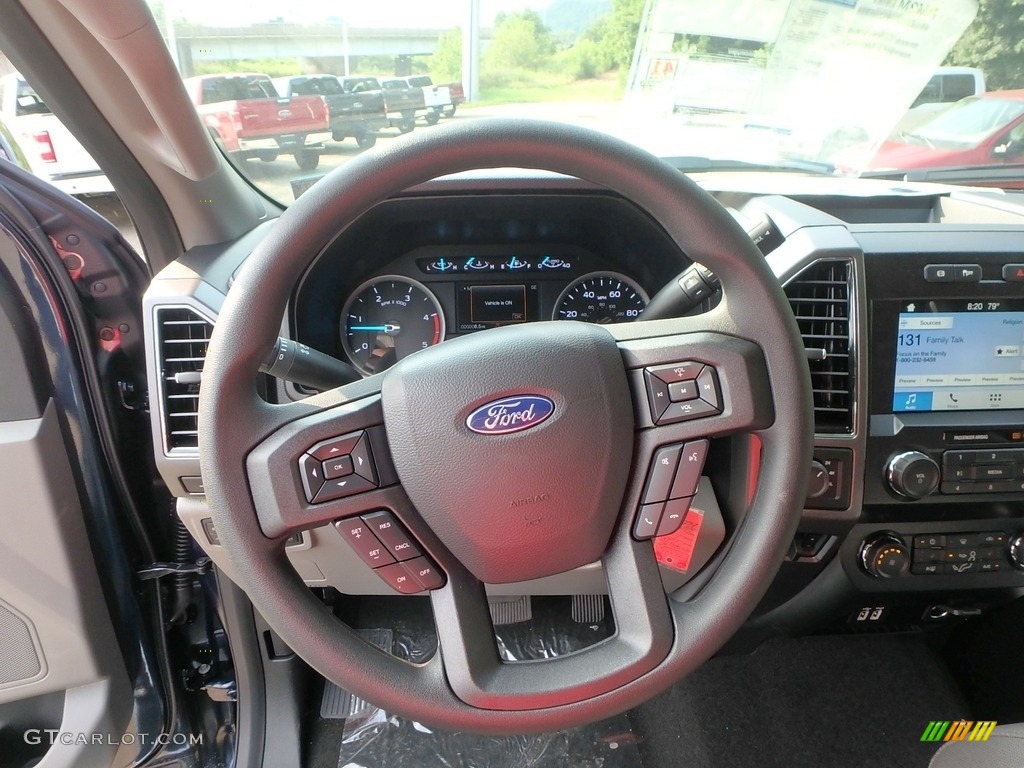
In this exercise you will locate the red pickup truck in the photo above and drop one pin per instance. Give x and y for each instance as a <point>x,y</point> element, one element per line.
<point>248,115</point>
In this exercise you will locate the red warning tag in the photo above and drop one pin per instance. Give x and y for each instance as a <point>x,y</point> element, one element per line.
<point>676,549</point>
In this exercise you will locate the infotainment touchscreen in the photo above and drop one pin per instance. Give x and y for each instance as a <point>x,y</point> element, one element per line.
<point>959,356</point>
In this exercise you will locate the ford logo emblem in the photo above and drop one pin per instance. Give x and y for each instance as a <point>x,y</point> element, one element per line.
<point>510,414</point>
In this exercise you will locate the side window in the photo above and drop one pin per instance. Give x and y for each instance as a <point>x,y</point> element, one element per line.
<point>931,93</point>
<point>956,87</point>
<point>35,139</point>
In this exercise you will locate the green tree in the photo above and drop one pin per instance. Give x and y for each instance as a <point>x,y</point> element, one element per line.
<point>446,63</point>
<point>615,33</point>
<point>995,43</point>
<point>521,41</point>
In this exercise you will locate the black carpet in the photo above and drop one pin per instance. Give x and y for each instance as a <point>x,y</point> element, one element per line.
<point>819,701</point>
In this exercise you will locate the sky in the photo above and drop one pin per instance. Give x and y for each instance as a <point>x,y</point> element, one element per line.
<point>390,13</point>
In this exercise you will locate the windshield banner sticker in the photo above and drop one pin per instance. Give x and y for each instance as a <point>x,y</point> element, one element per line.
<point>797,79</point>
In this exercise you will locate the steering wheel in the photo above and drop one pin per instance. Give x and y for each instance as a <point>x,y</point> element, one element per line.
<point>558,489</point>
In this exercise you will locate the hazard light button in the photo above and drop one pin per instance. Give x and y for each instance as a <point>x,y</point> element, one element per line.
<point>1013,273</point>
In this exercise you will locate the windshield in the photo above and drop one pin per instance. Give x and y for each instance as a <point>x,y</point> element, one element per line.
<point>840,86</point>
<point>970,121</point>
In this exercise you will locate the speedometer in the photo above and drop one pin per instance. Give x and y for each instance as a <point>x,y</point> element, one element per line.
<point>388,318</point>
<point>601,297</point>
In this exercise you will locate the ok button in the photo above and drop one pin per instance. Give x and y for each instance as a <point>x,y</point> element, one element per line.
<point>338,467</point>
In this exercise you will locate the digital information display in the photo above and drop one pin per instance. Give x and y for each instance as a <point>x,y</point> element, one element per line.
<point>489,306</point>
<point>959,356</point>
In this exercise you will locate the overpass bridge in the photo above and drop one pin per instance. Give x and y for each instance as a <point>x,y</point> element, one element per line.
<point>326,45</point>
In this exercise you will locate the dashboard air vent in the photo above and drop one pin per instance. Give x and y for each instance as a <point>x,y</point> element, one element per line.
<point>183,336</point>
<point>820,297</point>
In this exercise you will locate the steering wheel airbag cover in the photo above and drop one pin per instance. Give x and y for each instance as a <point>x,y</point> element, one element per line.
<point>519,505</point>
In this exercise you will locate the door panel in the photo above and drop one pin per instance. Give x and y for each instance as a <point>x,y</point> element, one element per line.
<point>55,632</point>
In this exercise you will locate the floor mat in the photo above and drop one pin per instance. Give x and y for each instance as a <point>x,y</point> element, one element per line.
<point>368,737</point>
<point>818,701</point>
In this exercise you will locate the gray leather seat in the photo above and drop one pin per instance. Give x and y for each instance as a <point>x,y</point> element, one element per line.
<point>1004,749</point>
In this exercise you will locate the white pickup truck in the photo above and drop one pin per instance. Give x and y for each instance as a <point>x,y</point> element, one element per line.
<point>49,148</point>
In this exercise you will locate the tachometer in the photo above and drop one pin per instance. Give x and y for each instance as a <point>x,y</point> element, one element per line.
<point>601,297</point>
<point>388,318</point>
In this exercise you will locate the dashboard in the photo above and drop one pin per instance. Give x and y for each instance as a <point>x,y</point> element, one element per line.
<point>909,298</point>
<point>409,275</point>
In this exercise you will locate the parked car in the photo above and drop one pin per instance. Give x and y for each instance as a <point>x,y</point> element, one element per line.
<point>407,101</point>
<point>976,131</point>
<point>247,114</point>
<point>357,114</point>
<point>946,87</point>
<point>47,146</point>
<point>440,99</point>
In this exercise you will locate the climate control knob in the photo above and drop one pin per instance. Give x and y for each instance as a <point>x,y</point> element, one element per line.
<point>912,474</point>
<point>820,483</point>
<point>884,556</point>
<point>1017,551</point>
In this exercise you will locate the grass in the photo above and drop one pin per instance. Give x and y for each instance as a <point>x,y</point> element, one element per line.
<point>543,87</point>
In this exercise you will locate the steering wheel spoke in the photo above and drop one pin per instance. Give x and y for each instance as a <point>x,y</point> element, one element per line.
<point>641,641</point>
<point>330,460</point>
<point>700,384</point>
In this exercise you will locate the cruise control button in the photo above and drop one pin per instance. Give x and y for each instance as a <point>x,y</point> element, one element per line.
<point>362,459</point>
<point>362,540</point>
<point>661,474</point>
<point>425,573</point>
<point>339,467</point>
<point>691,464</point>
<point>312,476</point>
<point>647,520</point>
<point>394,537</point>
<point>399,578</point>
<point>673,516</point>
<point>346,486</point>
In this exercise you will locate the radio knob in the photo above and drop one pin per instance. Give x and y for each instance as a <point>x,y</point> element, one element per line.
<point>884,556</point>
<point>912,474</point>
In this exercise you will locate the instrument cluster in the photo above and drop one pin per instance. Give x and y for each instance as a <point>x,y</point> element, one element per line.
<point>431,294</point>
